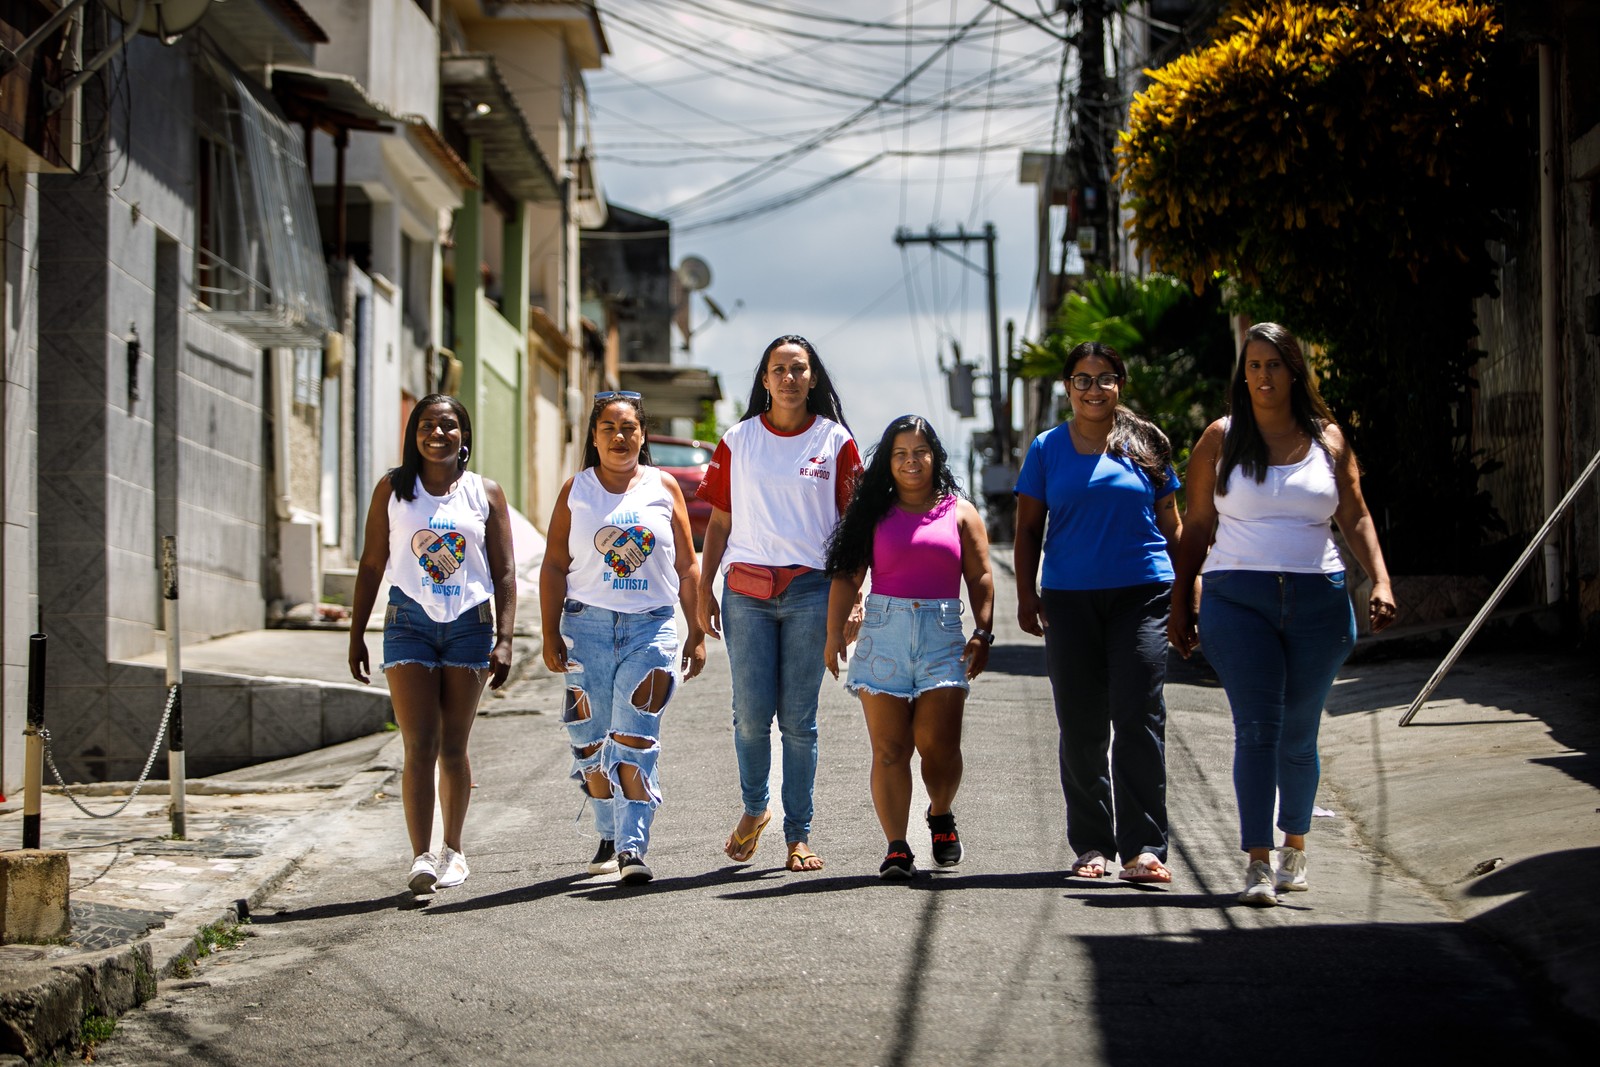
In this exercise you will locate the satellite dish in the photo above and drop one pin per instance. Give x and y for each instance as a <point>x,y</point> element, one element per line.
<point>164,19</point>
<point>693,273</point>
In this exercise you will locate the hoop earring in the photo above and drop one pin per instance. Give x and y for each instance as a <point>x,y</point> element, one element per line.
<point>465,452</point>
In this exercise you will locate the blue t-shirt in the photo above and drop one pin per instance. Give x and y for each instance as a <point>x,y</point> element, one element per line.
<point>1101,530</point>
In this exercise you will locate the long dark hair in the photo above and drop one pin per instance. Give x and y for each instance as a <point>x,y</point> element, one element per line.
<point>1243,446</point>
<point>850,547</point>
<point>403,479</point>
<point>1132,437</point>
<point>823,399</point>
<point>591,454</point>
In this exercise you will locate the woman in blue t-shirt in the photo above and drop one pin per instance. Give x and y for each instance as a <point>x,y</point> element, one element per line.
<point>1106,483</point>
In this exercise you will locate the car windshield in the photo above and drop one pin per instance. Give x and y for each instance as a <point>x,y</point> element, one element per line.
<point>669,454</point>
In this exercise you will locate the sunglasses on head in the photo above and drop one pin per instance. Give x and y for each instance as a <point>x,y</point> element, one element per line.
<point>618,394</point>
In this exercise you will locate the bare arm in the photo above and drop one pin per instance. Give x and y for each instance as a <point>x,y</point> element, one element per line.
<point>503,571</point>
<point>1026,546</point>
<point>1360,533</point>
<point>553,582</point>
<point>716,543</point>
<point>843,601</point>
<point>1197,528</point>
<point>688,568</point>
<point>980,584</point>
<point>369,576</point>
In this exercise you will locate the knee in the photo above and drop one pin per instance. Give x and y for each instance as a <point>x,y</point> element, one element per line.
<point>891,753</point>
<point>1255,736</point>
<point>632,766</point>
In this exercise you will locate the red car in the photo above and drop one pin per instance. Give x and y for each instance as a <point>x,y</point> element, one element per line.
<point>686,461</point>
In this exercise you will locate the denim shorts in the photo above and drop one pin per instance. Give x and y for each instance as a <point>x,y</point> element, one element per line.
<point>907,647</point>
<point>410,636</point>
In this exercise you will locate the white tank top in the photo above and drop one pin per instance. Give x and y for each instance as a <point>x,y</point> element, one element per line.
<point>1284,523</point>
<point>437,553</point>
<point>623,555</point>
<point>785,493</point>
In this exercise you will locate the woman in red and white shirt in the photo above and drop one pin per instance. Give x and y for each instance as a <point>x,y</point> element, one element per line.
<point>779,481</point>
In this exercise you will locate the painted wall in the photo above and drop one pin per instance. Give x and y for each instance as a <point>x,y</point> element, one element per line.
<point>19,600</point>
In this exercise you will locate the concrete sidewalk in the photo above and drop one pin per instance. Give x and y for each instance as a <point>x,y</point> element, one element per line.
<point>1490,800</point>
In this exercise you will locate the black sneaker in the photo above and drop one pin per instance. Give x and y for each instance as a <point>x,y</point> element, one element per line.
<point>947,851</point>
<point>899,863</point>
<point>631,866</point>
<point>605,857</point>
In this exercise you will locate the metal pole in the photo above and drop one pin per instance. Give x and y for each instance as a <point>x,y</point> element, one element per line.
<point>1500,590</point>
<point>175,765</point>
<point>33,756</point>
<point>997,381</point>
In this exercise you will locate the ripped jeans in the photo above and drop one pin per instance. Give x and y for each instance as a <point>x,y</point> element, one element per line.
<point>610,656</point>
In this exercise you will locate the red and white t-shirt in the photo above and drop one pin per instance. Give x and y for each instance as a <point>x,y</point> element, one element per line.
<point>785,491</point>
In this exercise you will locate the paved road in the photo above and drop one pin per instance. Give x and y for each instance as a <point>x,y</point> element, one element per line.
<point>1001,961</point>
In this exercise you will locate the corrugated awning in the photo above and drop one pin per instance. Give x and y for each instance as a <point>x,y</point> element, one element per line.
<point>332,99</point>
<point>476,97</point>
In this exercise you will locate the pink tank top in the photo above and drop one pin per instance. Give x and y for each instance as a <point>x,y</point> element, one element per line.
<point>918,557</point>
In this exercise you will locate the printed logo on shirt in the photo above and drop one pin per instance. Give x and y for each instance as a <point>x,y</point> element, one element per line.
<point>624,551</point>
<point>440,555</point>
<point>816,467</point>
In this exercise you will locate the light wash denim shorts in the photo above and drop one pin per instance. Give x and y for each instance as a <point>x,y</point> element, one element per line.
<point>907,647</point>
<point>410,636</point>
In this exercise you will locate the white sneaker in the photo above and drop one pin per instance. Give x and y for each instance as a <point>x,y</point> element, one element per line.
<point>453,869</point>
<point>1258,889</point>
<point>1291,874</point>
<point>424,874</point>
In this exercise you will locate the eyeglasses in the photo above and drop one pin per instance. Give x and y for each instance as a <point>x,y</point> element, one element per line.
<point>1082,382</point>
<point>618,394</point>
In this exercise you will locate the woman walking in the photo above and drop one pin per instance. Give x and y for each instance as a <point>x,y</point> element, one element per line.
<point>777,484</point>
<point>1105,481</point>
<point>1266,483</point>
<point>442,535</point>
<point>912,665</point>
<point>619,557</point>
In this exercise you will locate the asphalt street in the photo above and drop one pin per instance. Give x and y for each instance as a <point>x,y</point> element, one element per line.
<point>1002,960</point>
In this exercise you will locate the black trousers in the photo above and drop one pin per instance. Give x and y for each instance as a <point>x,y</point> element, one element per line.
<point>1106,654</point>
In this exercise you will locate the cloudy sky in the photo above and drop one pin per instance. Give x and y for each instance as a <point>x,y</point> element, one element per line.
<point>787,142</point>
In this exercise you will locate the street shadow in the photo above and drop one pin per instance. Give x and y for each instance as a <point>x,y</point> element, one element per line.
<point>401,901</point>
<point>524,894</point>
<point>923,880</point>
<point>1149,897</point>
<point>1022,661</point>
<point>729,874</point>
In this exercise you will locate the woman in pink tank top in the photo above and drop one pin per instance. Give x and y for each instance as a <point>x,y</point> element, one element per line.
<point>912,665</point>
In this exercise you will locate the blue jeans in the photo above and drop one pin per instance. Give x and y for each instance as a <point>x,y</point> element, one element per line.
<point>775,654</point>
<point>410,636</point>
<point>609,653</point>
<point>1276,642</point>
<point>1106,654</point>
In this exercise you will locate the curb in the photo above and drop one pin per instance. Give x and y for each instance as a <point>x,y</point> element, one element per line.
<point>43,1014</point>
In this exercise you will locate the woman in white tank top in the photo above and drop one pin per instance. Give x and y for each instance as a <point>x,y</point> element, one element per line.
<point>619,557</point>
<point>442,535</point>
<point>1265,486</point>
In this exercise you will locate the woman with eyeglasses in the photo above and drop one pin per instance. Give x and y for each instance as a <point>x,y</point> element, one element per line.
<point>618,558</point>
<point>442,535</point>
<point>1105,483</point>
<point>1267,484</point>
<point>777,484</point>
<point>913,664</point>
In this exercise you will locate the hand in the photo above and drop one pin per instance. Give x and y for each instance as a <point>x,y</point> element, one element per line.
<point>1380,607</point>
<point>359,667</point>
<point>1182,632</point>
<point>555,655</point>
<point>710,614</point>
<point>1029,614</point>
<point>500,663</point>
<point>833,652</point>
<point>694,656</point>
<point>975,656</point>
<point>852,623</point>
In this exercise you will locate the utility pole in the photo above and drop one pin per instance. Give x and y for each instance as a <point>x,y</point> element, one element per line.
<point>1091,133</point>
<point>997,385</point>
<point>999,470</point>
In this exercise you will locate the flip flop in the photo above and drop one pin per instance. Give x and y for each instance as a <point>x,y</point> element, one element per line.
<point>1145,869</point>
<point>801,857</point>
<point>736,847</point>
<point>1091,864</point>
